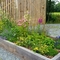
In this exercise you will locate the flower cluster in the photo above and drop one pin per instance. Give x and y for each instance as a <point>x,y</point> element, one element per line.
<point>40,21</point>
<point>25,20</point>
<point>58,37</point>
<point>21,22</point>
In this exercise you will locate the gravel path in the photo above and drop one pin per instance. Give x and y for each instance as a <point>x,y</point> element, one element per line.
<point>5,55</point>
<point>53,29</point>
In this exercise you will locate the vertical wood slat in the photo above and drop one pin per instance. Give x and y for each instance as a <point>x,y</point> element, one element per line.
<point>36,8</point>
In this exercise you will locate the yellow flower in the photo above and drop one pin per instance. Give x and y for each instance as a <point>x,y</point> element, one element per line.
<point>36,48</point>
<point>21,38</point>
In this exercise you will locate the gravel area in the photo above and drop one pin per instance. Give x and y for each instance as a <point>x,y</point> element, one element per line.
<point>53,30</point>
<point>5,55</point>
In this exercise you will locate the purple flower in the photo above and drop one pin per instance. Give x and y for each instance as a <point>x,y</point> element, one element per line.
<point>58,37</point>
<point>40,21</point>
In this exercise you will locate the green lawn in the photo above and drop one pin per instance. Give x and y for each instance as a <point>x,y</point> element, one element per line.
<point>54,17</point>
<point>56,13</point>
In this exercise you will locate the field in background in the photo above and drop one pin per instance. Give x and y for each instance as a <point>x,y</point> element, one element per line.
<point>56,13</point>
<point>54,18</point>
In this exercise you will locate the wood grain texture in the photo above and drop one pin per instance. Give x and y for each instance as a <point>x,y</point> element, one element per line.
<point>16,9</point>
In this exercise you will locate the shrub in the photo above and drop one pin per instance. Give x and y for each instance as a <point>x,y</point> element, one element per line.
<point>37,43</point>
<point>52,52</point>
<point>54,17</point>
<point>19,33</point>
<point>1,26</point>
<point>57,42</point>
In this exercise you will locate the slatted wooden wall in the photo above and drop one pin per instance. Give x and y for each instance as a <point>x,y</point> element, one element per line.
<point>16,9</point>
<point>8,7</point>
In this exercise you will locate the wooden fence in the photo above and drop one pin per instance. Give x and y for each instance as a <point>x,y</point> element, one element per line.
<point>16,9</point>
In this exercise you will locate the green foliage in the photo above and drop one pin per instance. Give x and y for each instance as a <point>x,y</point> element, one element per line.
<point>11,30</point>
<point>29,41</point>
<point>57,43</point>
<point>9,34</point>
<point>37,43</point>
<point>13,34</point>
<point>52,52</point>
<point>57,7</point>
<point>7,22</point>
<point>58,46</point>
<point>52,7</point>
<point>43,49</point>
<point>22,36</point>
<point>1,26</point>
<point>54,17</point>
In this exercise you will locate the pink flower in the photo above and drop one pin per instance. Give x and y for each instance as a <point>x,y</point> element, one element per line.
<point>40,21</point>
<point>21,22</point>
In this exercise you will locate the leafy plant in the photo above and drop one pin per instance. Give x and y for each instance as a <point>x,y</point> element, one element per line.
<point>37,43</point>
<point>52,52</point>
<point>54,17</point>
<point>1,26</point>
<point>19,33</point>
<point>57,42</point>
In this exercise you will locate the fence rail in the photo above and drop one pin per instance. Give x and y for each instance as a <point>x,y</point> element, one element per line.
<point>16,9</point>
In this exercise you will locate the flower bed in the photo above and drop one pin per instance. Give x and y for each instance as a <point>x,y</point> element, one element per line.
<point>32,38</point>
<point>21,52</point>
<point>24,53</point>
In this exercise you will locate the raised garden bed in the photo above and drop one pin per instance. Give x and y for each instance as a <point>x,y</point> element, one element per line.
<point>24,53</point>
<point>34,38</point>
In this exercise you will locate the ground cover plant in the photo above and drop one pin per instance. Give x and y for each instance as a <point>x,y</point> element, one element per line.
<point>19,33</point>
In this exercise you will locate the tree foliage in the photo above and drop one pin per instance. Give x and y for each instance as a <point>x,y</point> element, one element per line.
<point>57,7</point>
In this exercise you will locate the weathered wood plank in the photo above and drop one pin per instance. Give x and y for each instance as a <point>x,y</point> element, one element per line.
<point>16,9</point>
